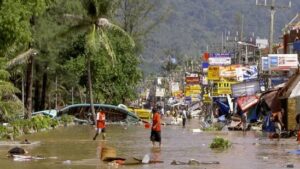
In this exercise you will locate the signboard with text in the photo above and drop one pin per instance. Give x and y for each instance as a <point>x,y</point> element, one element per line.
<point>283,61</point>
<point>247,73</point>
<point>213,73</point>
<point>264,63</point>
<point>246,102</point>
<point>245,88</point>
<point>219,59</point>
<point>160,92</point>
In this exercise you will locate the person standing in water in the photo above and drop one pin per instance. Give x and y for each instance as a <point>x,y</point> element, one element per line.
<point>184,117</point>
<point>156,128</point>
<point>100,126</point>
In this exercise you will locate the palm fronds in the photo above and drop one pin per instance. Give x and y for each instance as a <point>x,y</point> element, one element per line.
<point>22,58</point>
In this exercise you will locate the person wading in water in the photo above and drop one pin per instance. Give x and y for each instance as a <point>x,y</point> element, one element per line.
<point>100,126</point>
<point>156,128</point>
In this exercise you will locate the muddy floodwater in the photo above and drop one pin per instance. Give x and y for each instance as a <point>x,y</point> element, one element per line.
<point>73,148</point>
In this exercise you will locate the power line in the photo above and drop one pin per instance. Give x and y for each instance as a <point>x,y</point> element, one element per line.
<point>272,6</point>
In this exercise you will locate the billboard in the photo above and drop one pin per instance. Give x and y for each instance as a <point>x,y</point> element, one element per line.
<point>229,72</point>
<point>247,73</point>
<point>219,59</point>
<point>245,88</point>
<point>283,61</point>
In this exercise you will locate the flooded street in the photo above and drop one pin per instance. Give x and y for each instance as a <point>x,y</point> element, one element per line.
<point>73,148</point>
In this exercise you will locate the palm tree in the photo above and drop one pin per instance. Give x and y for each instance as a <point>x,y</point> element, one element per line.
<point>96,26</point>
<point>28,58</point>
<point>10,105</point>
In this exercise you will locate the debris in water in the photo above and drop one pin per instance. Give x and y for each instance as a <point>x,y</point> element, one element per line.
<point>68,162</point>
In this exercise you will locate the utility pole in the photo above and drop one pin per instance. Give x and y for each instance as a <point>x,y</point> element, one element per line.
<point>273,8</point>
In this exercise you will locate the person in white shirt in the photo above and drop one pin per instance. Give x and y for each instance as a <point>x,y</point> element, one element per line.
<point>184,117</point>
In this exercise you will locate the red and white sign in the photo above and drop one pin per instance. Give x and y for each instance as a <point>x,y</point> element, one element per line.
<point>245,102</point>
<point>285,61</point>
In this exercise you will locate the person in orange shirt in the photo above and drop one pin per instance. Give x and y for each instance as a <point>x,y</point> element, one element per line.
<point>100,126</point>
<point>156,128</point>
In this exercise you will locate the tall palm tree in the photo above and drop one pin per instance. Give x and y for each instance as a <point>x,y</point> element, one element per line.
<point>28,58</point>
<point>96,26</point>
<point>10,105</point>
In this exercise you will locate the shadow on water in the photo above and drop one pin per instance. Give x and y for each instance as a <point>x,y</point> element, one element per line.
<point>73,147</point>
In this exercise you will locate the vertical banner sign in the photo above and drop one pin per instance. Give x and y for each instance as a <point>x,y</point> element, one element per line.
<point>213,73</point>
<point>205,66</point>
<point>273,61</point>
<point>264,63</point>
<point>205,57</point>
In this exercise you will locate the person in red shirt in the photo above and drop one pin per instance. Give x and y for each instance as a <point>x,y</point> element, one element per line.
<point>156,128</point>
<point>100,126</point>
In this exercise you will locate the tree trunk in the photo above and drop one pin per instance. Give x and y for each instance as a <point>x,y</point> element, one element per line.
<point>37,97</point>
<point>29,80</point>
<point>44,88</point>
<point>91,88</point>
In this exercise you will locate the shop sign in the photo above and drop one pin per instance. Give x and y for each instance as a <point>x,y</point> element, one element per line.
<point>213,73</point>
<point>192,80</point>
<point>175,86</point>
<point>245,102</point>
<point>219,59</point>
<point>160,92</point>
<point>264,63</point>
<point>224,87</point>
<point>247,73</point>
<point>245,88</point>
<point>207,98</point>
<point>283,61</point>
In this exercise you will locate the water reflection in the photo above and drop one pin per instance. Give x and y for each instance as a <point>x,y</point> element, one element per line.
<point>74,148</point>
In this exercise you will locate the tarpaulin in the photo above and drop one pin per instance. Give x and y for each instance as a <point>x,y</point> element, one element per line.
<point>224,108</point>
<point>268,125</point>
<point>272,100</point>
<point>290,85</point>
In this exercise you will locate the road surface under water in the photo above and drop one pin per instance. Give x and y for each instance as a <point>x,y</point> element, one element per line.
<point>73,148</point>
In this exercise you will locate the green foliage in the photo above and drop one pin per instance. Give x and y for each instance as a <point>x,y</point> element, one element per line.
<point>65,119</point>
<point>211,128</point>
<point>220,143</point>
<point>27,126</point>
<point>40,122</point>
<point>113,83</point>
<point>3,131</point>
<point>14,25</point>
<point>10,105</point>
<point>214,127</point>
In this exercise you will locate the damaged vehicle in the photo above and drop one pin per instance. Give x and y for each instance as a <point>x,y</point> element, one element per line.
<point>114,114</point>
